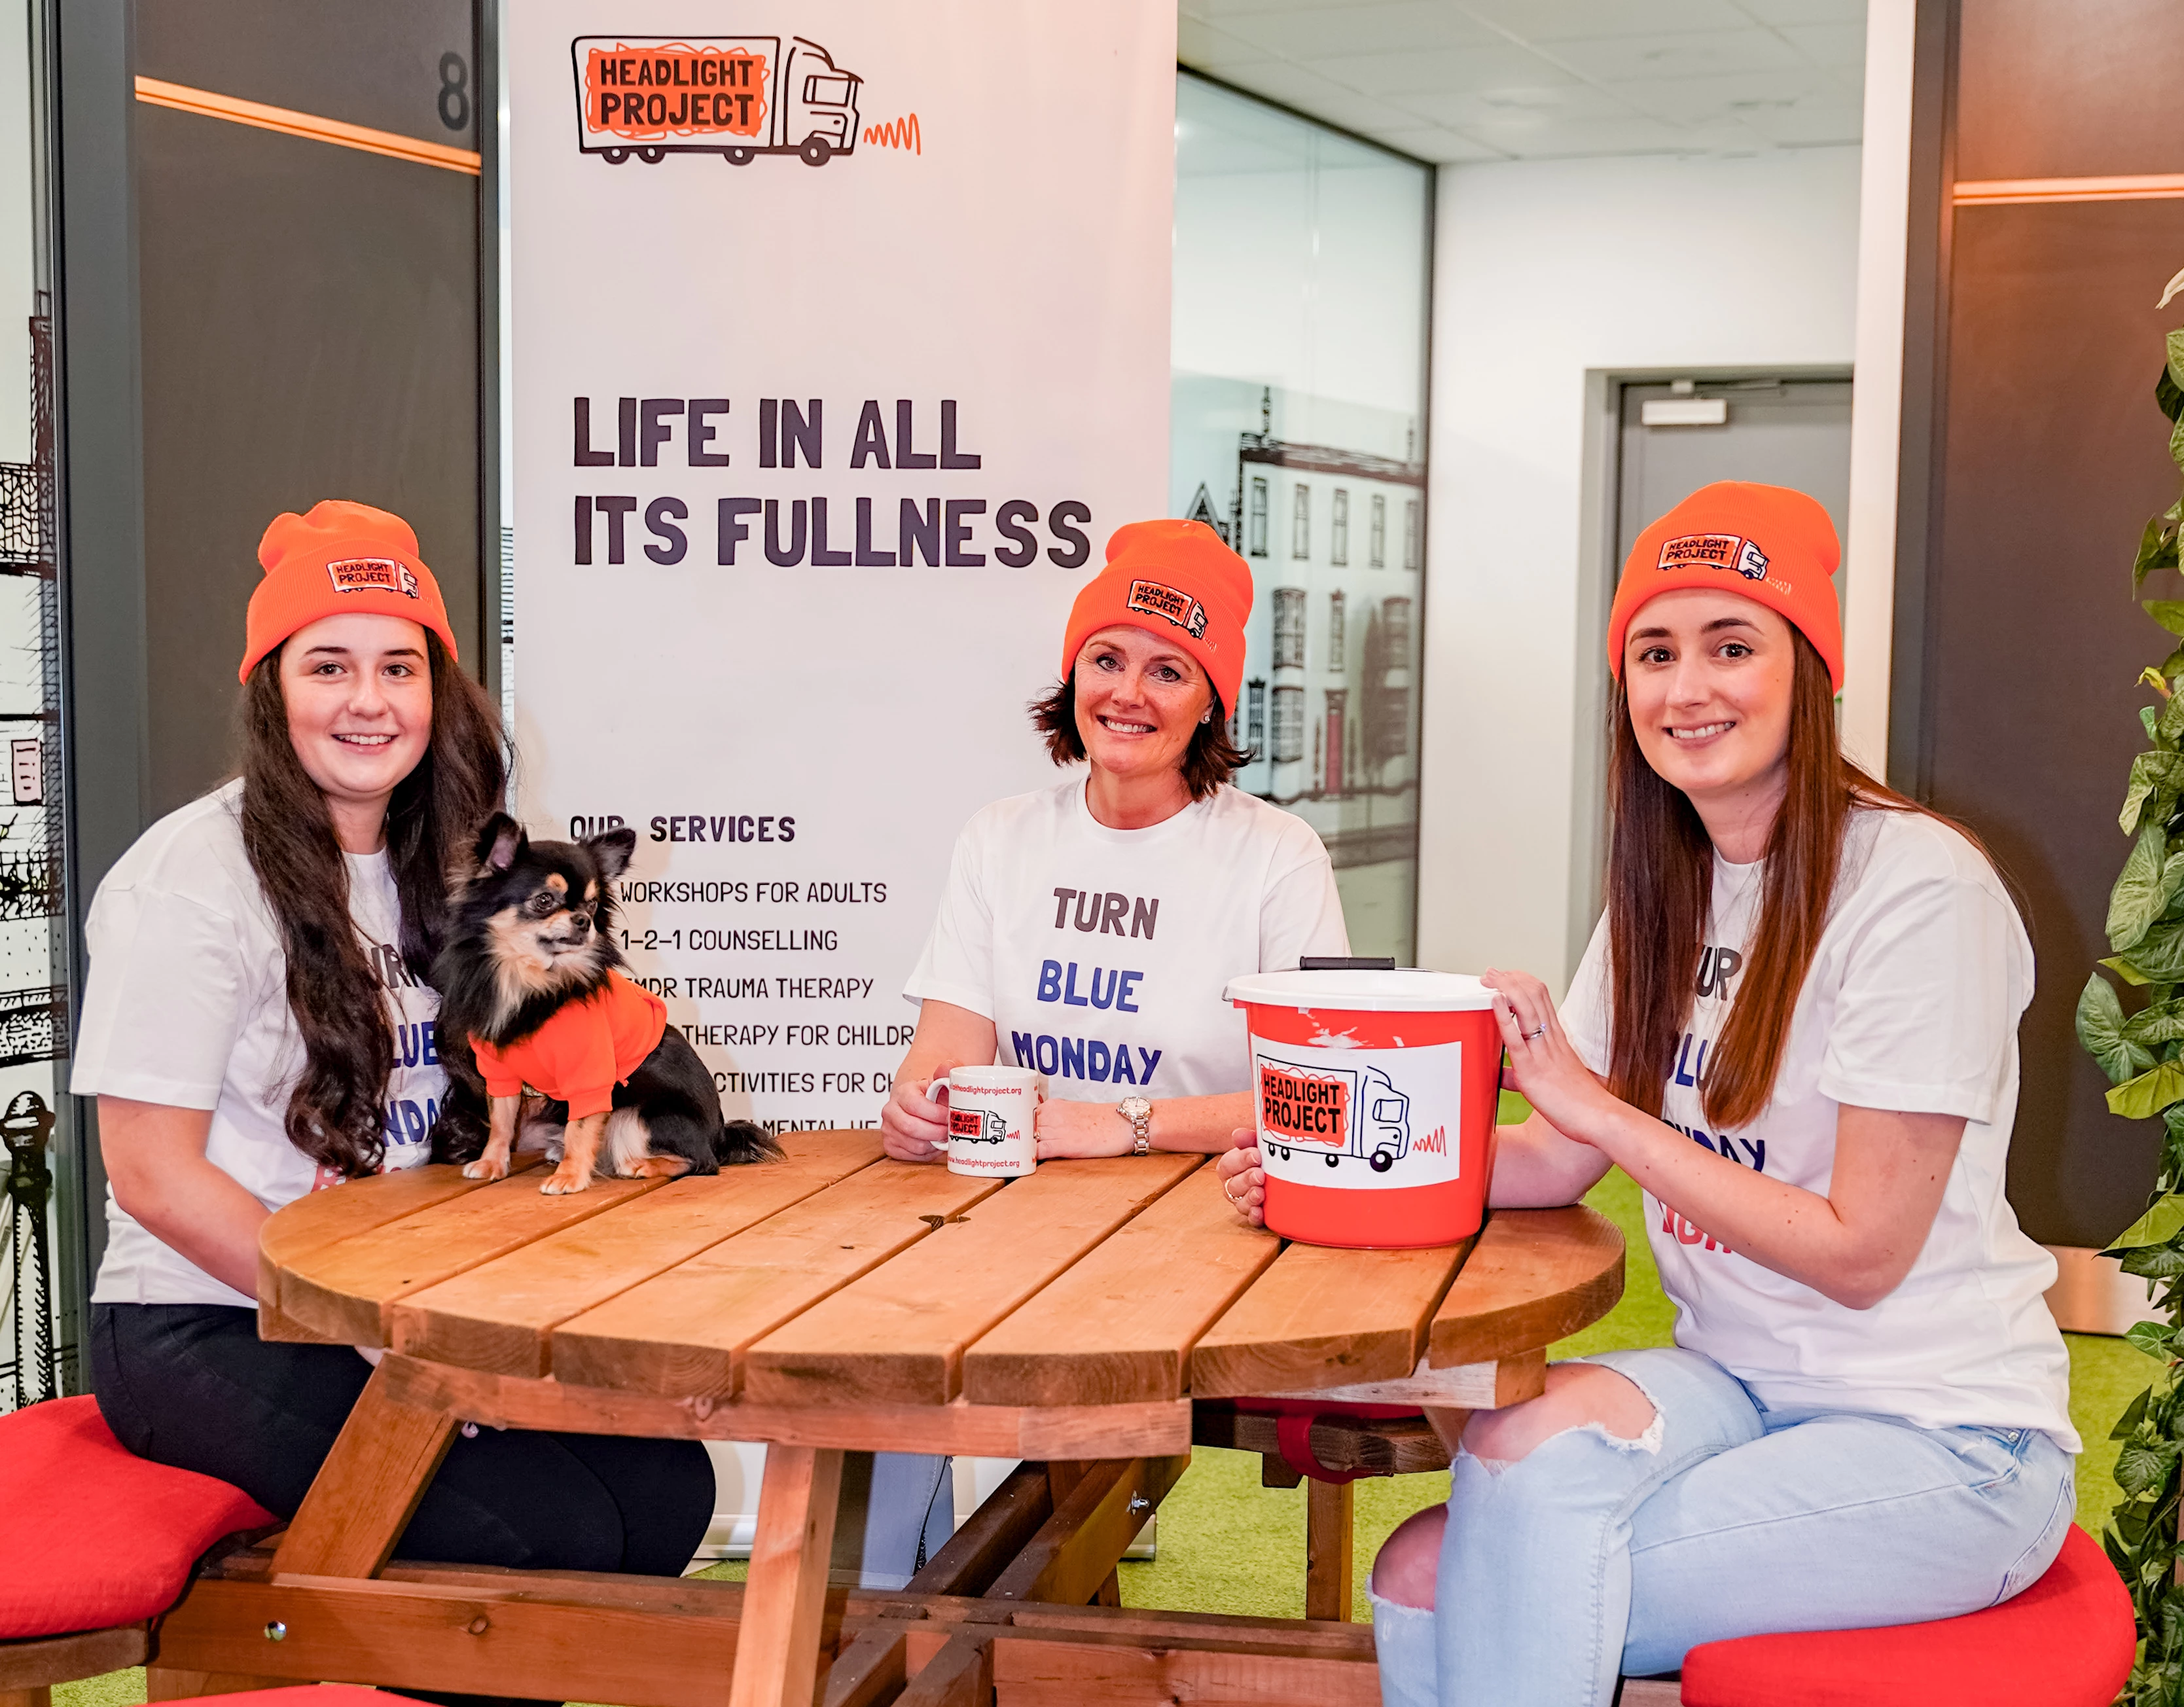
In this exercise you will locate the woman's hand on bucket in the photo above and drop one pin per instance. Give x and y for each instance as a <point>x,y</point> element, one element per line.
<point>914,1125</point>
<point>1543,1065</point>
<point>1241,1180</point>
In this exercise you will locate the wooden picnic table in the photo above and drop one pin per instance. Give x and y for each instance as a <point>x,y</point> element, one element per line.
<point>829,1301</point>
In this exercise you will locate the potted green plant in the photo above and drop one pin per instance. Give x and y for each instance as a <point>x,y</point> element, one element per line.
<point>2141,1048</point>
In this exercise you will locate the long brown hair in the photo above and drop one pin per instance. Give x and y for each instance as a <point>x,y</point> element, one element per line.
<point>1660,885</point>
<point>1211,759</point>
<point>335,1113</point>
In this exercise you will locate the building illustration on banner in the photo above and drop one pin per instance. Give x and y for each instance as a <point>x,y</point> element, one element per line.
<point>1335,539</point>
<point>735,95</point>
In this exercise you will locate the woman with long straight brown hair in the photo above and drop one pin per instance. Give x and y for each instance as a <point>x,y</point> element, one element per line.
<point>1796,1027</point>
<point>258,1025</point>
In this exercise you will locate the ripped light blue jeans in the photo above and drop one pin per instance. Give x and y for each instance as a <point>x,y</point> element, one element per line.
<point>1594,1556</point>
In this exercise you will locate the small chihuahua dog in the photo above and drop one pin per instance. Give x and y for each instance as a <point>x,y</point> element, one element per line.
<point>531,981</point>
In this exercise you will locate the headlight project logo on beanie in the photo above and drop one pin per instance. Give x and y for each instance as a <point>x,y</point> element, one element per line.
<point>364,574</point>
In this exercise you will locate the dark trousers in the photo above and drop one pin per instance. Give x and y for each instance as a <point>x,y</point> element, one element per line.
<point>193,1386</point>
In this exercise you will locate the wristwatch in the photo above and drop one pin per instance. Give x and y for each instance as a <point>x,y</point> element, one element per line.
<point>1139,1113</point>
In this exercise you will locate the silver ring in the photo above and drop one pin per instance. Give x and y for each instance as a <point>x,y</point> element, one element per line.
<point>1541,1032</point>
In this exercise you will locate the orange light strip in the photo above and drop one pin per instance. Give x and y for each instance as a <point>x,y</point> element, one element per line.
<point>1987,192</point>
<point>289,123</point>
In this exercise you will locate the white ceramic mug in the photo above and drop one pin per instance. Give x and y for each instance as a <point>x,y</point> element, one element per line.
<point>991,1115</point>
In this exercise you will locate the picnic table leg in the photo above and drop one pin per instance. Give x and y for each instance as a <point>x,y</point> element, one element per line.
<point>787,1598</point>
<point>1060,1478</point>
<point>1330,1511</point>
<point>365,1492</point>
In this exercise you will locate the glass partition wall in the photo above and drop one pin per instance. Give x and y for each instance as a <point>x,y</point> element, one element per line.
<point>1298,423</point>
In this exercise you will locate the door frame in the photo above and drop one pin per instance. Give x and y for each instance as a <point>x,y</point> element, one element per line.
<point>1597,569</point>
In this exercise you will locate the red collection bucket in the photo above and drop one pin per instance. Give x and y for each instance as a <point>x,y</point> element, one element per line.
<point>1376,1094</point>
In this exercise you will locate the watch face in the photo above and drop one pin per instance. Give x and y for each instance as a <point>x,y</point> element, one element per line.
<point>1133,1108</point>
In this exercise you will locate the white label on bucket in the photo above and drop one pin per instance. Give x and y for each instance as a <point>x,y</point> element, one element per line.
<point>1360,1118</point>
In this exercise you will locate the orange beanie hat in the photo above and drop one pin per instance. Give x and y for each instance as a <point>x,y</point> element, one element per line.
<point>341,557</point>
<point>1175,579</point>
<point>1774,546</point>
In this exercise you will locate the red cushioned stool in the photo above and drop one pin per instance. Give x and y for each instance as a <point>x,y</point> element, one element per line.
<point>1332,1444</point>
<point>94,1542</point>
<point>309,1695</point>
<point>2068,1641</point>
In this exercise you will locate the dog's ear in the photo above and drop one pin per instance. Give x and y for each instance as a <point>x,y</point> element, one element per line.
<point>612,850</point>
<point>500,844</point>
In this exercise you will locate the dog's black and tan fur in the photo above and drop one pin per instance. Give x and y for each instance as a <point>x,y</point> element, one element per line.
<point>531,930</point>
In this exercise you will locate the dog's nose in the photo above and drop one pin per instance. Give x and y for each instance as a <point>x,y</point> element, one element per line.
<point>579,923</point>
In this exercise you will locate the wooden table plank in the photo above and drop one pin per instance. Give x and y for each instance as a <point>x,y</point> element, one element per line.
<point>1062,1431</point>
<point>1320,1317</point>
<point>1119,1325</point>
<point>500,1315</point>
<point>320,1219</point>
<point>348,1288</point>
<point>684,1333</point>
<point>898,1334</point>
<point>1537,1275</point>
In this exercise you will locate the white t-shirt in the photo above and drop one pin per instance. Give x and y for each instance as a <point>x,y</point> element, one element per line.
<point>1912,1004</point>
<point>186,1003</point>
<point>1101,955</point>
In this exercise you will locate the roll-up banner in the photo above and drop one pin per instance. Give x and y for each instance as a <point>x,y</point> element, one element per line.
<point>840,345</point>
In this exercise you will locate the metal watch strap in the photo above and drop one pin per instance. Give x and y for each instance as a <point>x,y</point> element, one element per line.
<point>1140,1125</point>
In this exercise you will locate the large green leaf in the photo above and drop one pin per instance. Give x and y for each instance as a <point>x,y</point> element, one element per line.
<point>2124,970</point>
<point>2137,1099</point>
<point>2105,1034</point>
<point>2157,1226</point>
<point>2139,1467</point>
<point>2158,957</point>
<point>2168,395</point>
<point>2163,1022</point>
<point>2155,775</point>
<point>2154,1262</point>
<point>2133,1415</point>
<point>2170,723</point>
<point>2173,350</point>
<point>2142,888</point>
<point>2157,549</point>
<point>2153,1338</point>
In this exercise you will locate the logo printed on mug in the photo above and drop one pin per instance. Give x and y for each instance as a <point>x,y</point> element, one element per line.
<point>992,1112</point>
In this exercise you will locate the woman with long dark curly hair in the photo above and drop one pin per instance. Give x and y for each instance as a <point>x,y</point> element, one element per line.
<point>258,1025</point>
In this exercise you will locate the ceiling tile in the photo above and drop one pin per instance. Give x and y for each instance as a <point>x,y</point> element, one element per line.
<point>1806,11</point>
<point>1559,136</point>
<point>1202,45</point>
<point>1807,125</point>
<point>1563,21</point>
<point>1829,44</point>
<point>1441,147</point>
<point>1442,70</point>
<point>1690,53</point>
<point>1690,99</point>
<point>1520,107</point>
<point>1322,31</point>
<point>1306,90</point>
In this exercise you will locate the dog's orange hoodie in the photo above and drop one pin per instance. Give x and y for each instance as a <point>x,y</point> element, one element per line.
<point>583,1053</point>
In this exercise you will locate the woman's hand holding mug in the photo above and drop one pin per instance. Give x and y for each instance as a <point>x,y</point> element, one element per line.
<point>914,1123</point>
<point>1242,1180</point>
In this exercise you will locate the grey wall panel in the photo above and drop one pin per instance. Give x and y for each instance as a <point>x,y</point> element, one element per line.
<point>310,330</point>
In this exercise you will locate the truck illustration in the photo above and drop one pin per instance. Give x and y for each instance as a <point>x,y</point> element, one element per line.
<point>978,1126</point>
<point>736,96</point>
<point>1336,1112</point>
